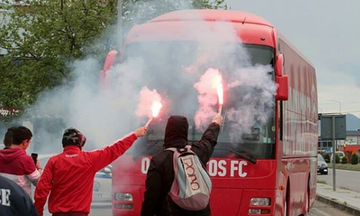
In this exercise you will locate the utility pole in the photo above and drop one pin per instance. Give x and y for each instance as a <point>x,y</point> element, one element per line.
<point>119,24</point>
<point>334,151</point>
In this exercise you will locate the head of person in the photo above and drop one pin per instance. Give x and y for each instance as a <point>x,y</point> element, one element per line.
<point>73,137</point>
<point>21,136</point>
<point>176,132</point>
<point>8,138</point>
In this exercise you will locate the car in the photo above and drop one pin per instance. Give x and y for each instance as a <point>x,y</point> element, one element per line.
<point>341,154</point>
<point>102,181</point>
<point>102,185</point>
<point>322,165</point>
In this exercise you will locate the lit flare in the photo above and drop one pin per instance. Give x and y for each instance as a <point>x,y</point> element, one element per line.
<point>220,91</point>
<point>155,108</point>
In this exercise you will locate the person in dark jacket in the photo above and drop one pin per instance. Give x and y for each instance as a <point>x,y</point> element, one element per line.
<point>14,200</point>
<point>160,175</point>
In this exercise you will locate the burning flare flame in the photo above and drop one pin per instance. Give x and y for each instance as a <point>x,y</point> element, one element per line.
<point>217,83</point>
<point>155,108</point>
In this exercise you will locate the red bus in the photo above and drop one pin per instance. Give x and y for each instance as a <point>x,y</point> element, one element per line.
<point>268,170</point>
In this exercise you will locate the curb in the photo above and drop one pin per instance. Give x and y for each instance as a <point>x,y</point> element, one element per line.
<point>341,206</point>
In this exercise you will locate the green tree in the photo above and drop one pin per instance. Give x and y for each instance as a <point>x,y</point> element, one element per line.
<point>43,36</point>
<point>344,160</point>
<point>354,159</point>
<point>337,158</point>
<point>326,157</point>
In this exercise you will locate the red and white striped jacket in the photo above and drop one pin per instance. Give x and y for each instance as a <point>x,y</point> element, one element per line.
<point>16,165</point>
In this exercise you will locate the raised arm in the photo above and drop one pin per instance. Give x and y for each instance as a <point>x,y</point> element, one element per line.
<point>110,153</point>
<point>205,147</point>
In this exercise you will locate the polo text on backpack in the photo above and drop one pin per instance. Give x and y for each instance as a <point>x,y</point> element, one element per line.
<point>191,187</point>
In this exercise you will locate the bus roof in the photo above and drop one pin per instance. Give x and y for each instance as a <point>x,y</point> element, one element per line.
<point>200,25</point>
<point>213,15</point>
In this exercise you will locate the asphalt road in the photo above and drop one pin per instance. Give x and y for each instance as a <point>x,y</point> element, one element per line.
<point>319,209</point>
<point>344,178</point>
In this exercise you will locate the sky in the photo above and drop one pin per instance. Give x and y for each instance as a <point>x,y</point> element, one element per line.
<point>326,32</point>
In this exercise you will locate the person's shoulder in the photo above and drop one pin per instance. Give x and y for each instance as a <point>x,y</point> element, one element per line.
<point>6,183</point>
<point>25,158</point>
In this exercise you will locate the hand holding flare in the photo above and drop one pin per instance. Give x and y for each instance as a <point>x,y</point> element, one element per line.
<point>155,108</point>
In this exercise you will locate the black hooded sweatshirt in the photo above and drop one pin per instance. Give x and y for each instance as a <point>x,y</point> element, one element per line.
<point>160,175</point>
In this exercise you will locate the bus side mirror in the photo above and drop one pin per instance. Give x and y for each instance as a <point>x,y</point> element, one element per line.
<point>279,64</point>
<point>282,81</point>
<point>282,91</point>
<point>109,62</point>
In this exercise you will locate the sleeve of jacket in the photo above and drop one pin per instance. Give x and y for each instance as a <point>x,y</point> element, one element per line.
<point>205,147</point>
<point>30,170</point>
<point>152,192</point>
<point>43,187</point>
<point>110,153</point>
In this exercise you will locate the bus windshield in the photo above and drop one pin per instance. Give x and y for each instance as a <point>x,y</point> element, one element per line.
<point>173,67</point>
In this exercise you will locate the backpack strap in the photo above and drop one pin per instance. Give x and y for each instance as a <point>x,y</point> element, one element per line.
<point>187,148</point>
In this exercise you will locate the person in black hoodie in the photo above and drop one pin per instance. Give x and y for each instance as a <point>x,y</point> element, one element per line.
<point>14,201</point>
<point>160,175</point>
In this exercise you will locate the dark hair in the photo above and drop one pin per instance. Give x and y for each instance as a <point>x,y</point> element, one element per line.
<point>8,138</point>
<point>20,134</point>
<point>72,136</point>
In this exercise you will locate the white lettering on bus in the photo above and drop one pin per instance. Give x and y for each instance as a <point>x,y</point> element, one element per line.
<point>215,168</point>
<point>145,163</point>
<point>238,165</point>
<point>222,164</point>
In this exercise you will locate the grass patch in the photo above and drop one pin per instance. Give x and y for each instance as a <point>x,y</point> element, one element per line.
<point>321,181</point>
<point>344,187</point>
<point>355,167</point>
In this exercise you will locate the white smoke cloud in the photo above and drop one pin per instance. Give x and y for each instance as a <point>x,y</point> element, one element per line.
<point>254,105</point>
<point>172,68</point>
<point>208,98</point>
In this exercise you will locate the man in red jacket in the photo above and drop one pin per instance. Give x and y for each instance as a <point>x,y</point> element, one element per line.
<point>70,175</point>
